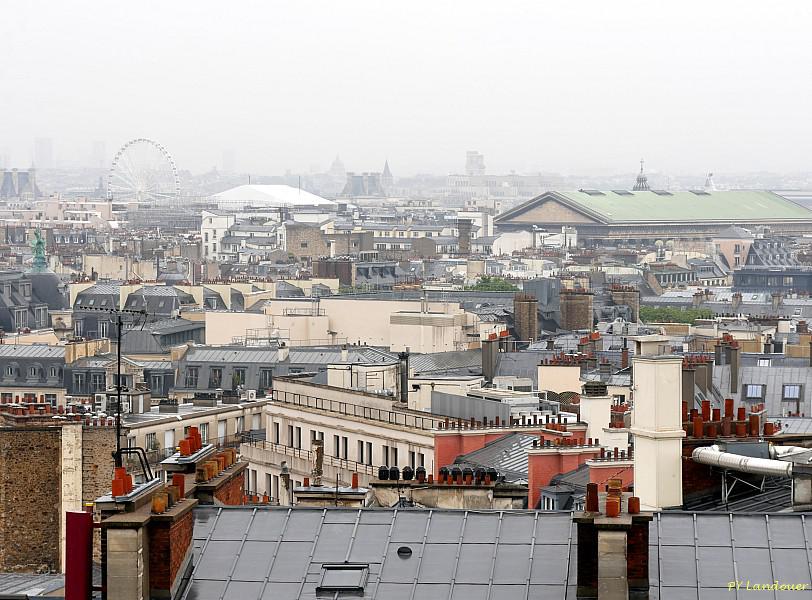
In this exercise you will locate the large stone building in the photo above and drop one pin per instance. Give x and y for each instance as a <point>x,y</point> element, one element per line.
<point>650,215</point>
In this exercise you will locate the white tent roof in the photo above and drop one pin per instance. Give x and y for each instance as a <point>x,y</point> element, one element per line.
<point>269,195</point>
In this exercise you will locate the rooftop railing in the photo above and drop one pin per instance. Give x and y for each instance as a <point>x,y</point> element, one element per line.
<point>391,417</point>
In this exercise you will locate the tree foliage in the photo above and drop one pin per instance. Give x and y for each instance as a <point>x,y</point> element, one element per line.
<point>492,284</point>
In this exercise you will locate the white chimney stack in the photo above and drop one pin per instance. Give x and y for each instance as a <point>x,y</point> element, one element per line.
<point>657,430</point>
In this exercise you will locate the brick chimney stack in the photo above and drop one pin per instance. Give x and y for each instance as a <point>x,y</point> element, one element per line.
<point>613,546</point>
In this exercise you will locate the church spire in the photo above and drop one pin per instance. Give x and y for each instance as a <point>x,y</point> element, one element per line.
<point>641,185</point>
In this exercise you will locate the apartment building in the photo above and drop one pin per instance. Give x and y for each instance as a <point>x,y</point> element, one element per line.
<point>361,430</point>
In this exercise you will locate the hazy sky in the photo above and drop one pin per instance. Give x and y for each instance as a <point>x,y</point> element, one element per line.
<point>572,87</point>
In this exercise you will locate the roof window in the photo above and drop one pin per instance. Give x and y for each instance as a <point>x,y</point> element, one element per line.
<point>343,578</point>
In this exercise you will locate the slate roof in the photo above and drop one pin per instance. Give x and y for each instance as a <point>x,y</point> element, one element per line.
<point>279,553</point>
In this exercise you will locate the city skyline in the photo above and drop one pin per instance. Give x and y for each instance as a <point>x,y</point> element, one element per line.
<point>587,89</point>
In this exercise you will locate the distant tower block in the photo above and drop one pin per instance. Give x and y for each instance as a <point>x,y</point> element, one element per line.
<point>474,163</point>
<point>641,185</point>
<point>576,310</point>
<point>464,239</point>
<point>525,313</point>
<point>709,185</point>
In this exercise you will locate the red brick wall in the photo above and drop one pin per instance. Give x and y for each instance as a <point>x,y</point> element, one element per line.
<point>602,473</point>
<point>169,542</point>
<point>447,447</point>
<point>231,492</point>
<point>543,467</point>
<point>637,555</point>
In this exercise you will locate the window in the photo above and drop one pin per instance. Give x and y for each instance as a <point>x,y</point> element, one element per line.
<point>6,397</point>
<point>303,245</point>
<point>792,391</point>
<point>204,432</point>
<point>754,391</point>
<point>412,458</point>
<point>238,377</point>
<point>344,447</point>
<point>97,382</point>
<point>290,436</point>
<point>421,459</point>
<point>156,383</point>
<point>276,433</point>
<point>79,383</point>
<point>41,316</point>
<point>336,446</point>
<point>33,372</point>
<point>53,372</point>
<point>360,451</point>
<point>10,371</point>
<point>764,362</point>
<point>240,424</point>
<point>103,326</point>
<point>151,441</point>
<point>298,437</point>
<point>385,455</point>
<point>394,453</point>
<point>191,377</point>
<point>215,377</point>
<point>20,318</point>
<point>266,379</point>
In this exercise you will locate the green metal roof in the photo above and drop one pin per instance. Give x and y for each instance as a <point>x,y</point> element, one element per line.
<point>734,206</point>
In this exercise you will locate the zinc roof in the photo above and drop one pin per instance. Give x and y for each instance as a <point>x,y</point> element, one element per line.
<point>279,553</point>
<point>689,206</point>
<point>31,351</point>
<point>646,206</point>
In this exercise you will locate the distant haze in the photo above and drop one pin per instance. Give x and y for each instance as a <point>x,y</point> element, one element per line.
<point>566,87</point>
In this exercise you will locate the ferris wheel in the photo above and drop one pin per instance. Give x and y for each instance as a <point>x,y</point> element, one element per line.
<point>143,172</point>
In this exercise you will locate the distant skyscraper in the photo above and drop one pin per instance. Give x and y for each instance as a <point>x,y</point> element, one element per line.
<point>228,161</point>
<point>641,185</point>
<point>474,163</point>
<point>98,155</point>
<point>44,153</point>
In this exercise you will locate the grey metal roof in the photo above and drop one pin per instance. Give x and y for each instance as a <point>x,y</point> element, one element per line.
<point>276,553</point>
<point>454,553</point>
<point>445,361</point>
<point>508,455</point>
<point>31,351</point>
<point>23,585</point>
<point>226,354</point>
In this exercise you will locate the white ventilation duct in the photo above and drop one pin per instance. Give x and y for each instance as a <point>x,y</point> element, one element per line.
<point>712,455</point>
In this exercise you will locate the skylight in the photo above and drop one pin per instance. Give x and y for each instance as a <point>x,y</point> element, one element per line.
<point>343,578</point>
